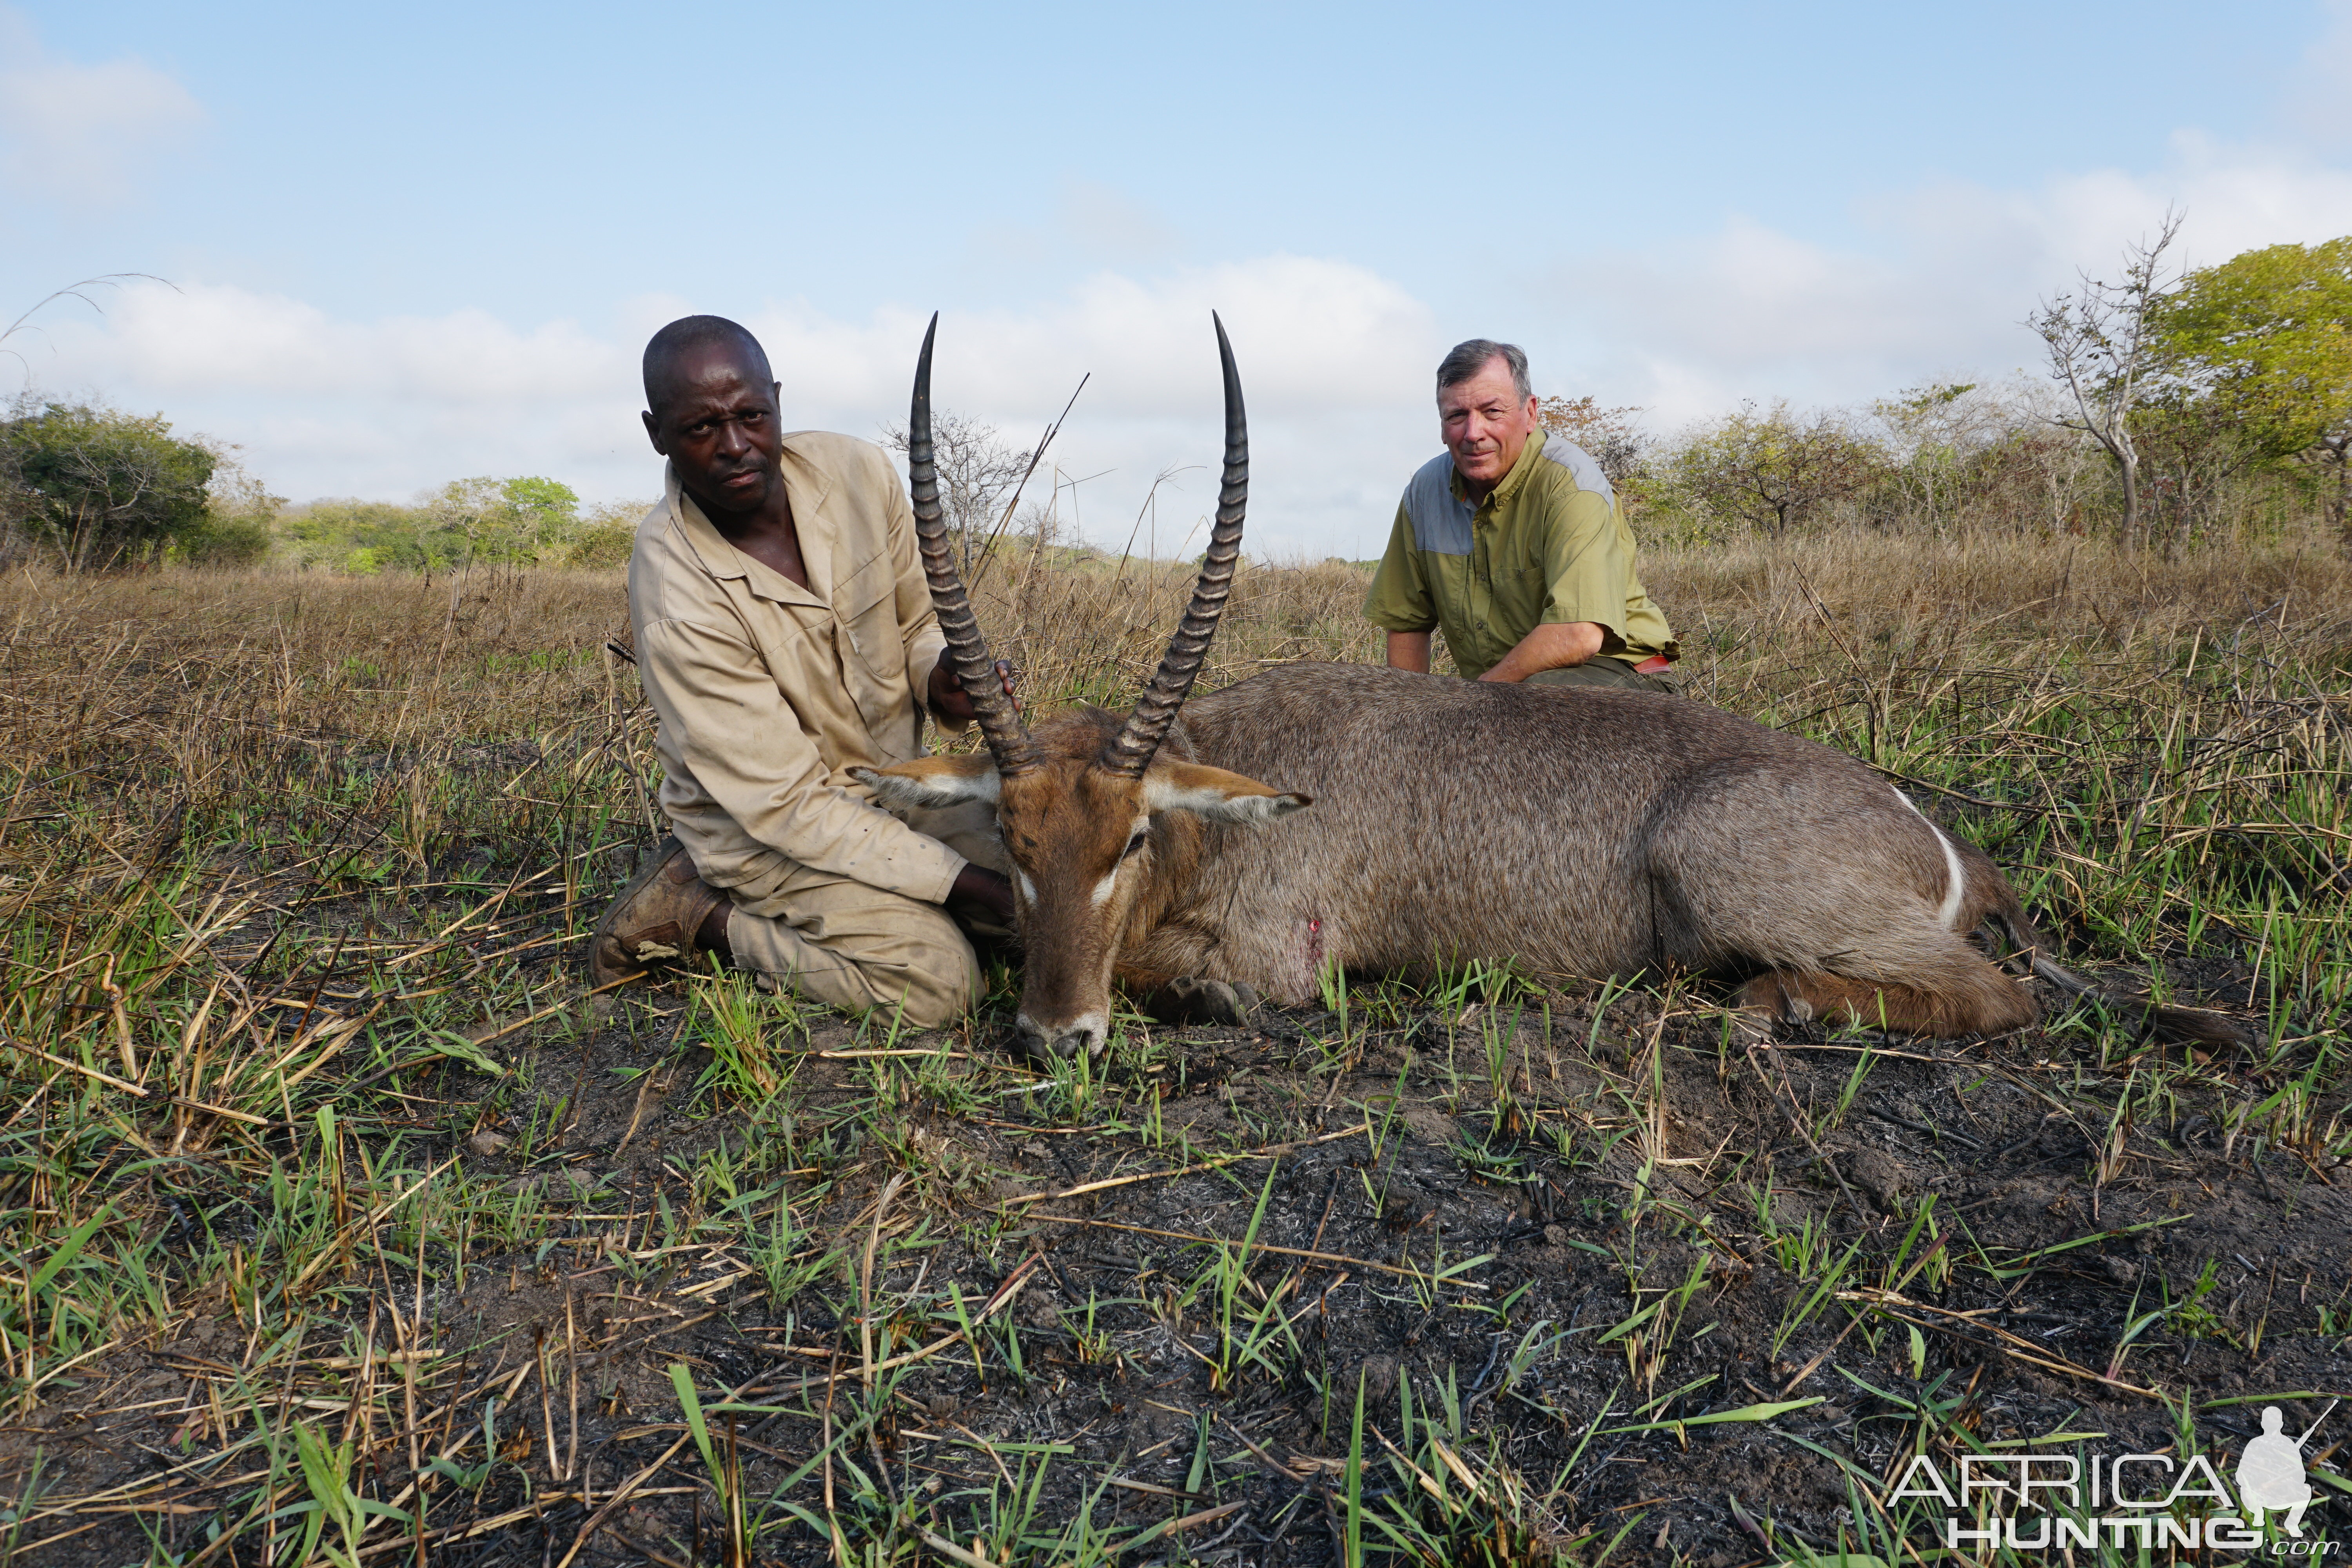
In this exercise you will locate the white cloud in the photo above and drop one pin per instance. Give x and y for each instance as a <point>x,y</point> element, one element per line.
<point>1333,358</point>
<point>208,338</point>
<point>1752,311</point>
<point>82,133</point>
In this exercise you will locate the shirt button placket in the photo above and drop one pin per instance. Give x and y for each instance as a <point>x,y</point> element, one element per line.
<point>1482,597</point>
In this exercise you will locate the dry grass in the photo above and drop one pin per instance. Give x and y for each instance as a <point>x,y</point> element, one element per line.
<point>293,874</point>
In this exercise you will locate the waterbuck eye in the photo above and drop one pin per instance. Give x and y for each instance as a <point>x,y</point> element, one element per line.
<point>1134,844</point>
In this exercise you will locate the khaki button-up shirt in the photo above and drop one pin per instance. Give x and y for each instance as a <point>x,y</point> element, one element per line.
<point>768,693</point>
<point>1550,546</point>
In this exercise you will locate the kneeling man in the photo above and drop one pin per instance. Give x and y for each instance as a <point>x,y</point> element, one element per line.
<point>1512,541</point>
<point>784,633</point>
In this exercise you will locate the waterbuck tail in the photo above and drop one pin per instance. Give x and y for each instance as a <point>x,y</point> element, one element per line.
<point>1130,753</point>
<point>1000,721</point>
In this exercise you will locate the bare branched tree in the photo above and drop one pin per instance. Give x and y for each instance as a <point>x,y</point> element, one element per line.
<point>978,472</point>
<point>2059,470</point>
<point>2102,351</point>
<point>1610,435</point>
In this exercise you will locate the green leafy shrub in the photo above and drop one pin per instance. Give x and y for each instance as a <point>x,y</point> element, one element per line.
<point>85,486</point>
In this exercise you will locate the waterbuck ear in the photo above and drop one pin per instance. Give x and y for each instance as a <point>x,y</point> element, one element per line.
<point>1215,794</point>
<point>932,782</point>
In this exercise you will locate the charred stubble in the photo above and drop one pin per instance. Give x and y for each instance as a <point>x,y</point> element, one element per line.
<point>299,861</point>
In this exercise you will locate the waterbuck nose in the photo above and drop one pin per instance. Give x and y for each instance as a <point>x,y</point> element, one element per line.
<point>1046,1042</point>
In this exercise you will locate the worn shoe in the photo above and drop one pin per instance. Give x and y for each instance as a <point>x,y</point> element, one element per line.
<point>654,920</point>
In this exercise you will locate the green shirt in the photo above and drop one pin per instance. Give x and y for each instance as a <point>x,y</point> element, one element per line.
<point>1548,547</point>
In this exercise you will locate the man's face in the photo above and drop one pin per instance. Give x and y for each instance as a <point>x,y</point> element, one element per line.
<point>1486,424</point>
<point>718,425</point>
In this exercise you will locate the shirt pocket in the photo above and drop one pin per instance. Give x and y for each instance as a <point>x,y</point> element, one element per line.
<point>865,605</point>
<point>1522,589</point>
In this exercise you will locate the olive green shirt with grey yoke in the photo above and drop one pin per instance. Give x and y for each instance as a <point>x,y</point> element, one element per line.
<point>1548,547</point>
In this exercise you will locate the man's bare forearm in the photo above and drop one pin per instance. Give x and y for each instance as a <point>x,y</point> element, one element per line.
<point>989,890</point>
<point>1553,646</point>
<point>1409,650</point>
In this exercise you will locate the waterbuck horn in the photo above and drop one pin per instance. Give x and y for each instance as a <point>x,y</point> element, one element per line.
<point>1000,721</point>
<point>1132,750</point>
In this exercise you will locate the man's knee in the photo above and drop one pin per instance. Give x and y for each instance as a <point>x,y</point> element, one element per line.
<point>935,985</point>
<point>863,949</point>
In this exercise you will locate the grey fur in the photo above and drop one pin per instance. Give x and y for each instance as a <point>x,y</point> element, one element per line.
<point>1584,832</point>
<point>1587,832</point>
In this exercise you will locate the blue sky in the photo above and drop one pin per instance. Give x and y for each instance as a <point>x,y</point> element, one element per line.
<point>415,243</point>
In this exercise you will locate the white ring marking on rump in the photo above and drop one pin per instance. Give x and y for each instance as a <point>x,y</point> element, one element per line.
<point>1956,885</point>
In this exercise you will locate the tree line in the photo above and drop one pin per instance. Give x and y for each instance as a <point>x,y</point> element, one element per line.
<point>87,487</point>
<point>2178,405</point>
<point>528,520</point>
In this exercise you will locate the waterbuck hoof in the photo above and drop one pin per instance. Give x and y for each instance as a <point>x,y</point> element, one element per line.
<point>1752,1027</point>
<point>1196,1001</point>
<point>1046,1053</point>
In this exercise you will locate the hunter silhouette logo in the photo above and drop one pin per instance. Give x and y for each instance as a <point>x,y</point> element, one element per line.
<point>2270,1473</point>
<point>2042,1502</point>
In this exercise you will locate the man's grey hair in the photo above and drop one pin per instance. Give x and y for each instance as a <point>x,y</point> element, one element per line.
<point>1467,360</point>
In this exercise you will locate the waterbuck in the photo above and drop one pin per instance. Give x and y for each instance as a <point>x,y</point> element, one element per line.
<point>1579,831</point>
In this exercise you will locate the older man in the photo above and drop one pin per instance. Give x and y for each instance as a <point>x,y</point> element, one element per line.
<point>1512,541</point>
<point>783,632</point>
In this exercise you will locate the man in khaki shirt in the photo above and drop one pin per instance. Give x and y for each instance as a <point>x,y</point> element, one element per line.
<point>1512,541</point>
<point>783,630</point>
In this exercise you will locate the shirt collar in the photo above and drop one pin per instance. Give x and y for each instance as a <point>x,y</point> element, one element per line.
<point>719,558</point>
<point>807,487</point>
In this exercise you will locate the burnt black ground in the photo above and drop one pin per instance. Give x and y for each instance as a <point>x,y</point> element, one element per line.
<point>2003,1133</point>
